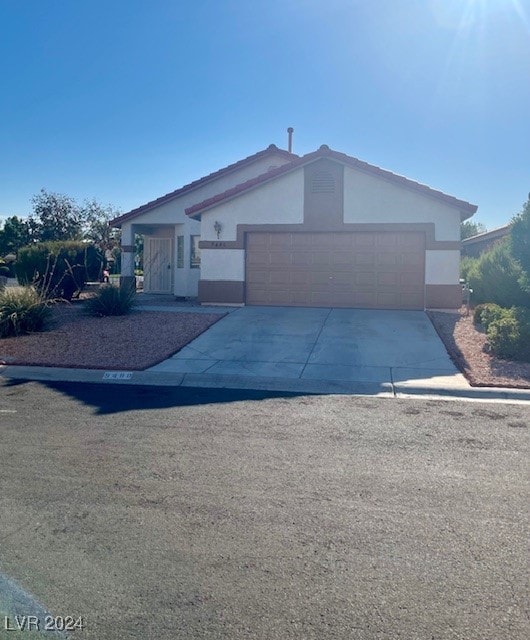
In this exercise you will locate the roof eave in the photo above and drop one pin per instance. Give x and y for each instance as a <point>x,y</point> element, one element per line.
<point>149,206</point>
<point>466,209</point>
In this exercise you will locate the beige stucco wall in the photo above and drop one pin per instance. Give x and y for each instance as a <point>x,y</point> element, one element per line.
<point>227,264</point>
<point>371,199</point>
<point>278,202</point>
<point>442,267</point>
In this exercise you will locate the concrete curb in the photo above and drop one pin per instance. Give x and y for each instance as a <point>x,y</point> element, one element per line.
<point>286,385</point>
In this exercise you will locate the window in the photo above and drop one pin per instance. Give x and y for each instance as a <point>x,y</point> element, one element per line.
<point>180,252</point>
<point>195,256</point>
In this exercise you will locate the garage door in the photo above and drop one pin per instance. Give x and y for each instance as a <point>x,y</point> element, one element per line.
<point>366,270</point>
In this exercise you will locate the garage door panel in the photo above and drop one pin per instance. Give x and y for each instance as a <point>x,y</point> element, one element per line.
<point>301,259</point>
<point>364,279</point>
<point>280,277</point>
<point>364,240</point>
<point>342,257</point>
<point>279,258</point>
<point>299,278</point>
<point>412,259</point>
<point>411,280</point>
<point>321,258</point>
<point>388,259</point>
<point>364,269</point>
<point>367,299</point>
<point>388,279</point>
<point>257,277</point>
<point>364,258</point>
<point>258,258</point>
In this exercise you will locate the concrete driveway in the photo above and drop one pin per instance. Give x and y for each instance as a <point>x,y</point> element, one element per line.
<point>352,345</point>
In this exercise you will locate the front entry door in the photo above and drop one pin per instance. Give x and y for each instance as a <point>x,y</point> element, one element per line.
<point>158,265</point>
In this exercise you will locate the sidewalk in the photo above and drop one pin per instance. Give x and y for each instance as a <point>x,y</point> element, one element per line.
<point>396,382</point>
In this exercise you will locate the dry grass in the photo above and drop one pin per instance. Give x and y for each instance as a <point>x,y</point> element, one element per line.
<point>468,347</point>
<point>134,342</point>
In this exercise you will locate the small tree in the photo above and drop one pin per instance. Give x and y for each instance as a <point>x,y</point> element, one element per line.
<point>495,277</point>
<point>469,229</point>
<point>55,217</point>
<point>520,243</point>
<point>95,220</point>
<point>15,233</point>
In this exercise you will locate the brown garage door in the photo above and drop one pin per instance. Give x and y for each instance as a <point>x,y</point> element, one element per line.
<point>380,270</point>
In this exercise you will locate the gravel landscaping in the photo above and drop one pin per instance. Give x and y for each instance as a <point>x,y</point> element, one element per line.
<point>134,342</point>
<point>468,347</point>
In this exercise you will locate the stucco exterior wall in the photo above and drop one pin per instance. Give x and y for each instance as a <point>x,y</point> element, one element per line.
<point>278,202</point>
<point>371,199</point>
<point>172,214</point>
<point>174,211</point>
<point>223,265</point>
<point>442,267</point>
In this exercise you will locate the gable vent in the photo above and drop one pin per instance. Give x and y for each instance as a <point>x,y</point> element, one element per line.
<point>323,182</point>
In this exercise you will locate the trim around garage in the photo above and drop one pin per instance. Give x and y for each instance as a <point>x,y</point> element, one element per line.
<point>225,291</point>
<point>443,296</point>
<point>427,227</point>
<point>438,296</point>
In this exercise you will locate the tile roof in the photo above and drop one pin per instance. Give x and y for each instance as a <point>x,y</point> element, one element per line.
<point>271,150</point>
<point>499,232</point>
<point>325,152</point>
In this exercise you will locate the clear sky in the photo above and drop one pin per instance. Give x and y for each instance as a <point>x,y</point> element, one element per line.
<point>125,100</point>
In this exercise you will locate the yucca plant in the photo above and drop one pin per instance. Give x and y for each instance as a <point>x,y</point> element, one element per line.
<point>22,310</point>
<point>112,301</point>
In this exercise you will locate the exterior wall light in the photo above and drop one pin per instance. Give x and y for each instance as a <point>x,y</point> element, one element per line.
<point>218,228</point>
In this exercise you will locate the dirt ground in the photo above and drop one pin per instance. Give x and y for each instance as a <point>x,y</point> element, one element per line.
<point>133,342</point>
<point>468,347</point>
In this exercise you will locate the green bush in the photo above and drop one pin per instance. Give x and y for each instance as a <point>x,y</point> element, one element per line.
<point>22,310</point>
<point>112,301</point>
<point>487,313</point>
<point>495,277</point>
<point>509,334</point>
<point>467,264</point>
<point>58,269</point>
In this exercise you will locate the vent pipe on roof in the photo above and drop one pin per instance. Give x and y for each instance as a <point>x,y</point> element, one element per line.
<point>290,141</point>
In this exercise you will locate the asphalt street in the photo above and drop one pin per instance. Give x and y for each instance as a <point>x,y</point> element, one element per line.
<point>156,513</point>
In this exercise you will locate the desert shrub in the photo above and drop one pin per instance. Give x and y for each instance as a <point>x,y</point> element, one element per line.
<point>520,243</point>
<point>504,337</point>
<point>112,301</point>
<point>487,313</point>
<point>22,310</point>
<point>495,277</point>
<point>509,334</point>
<point>58,269</point>
<point>467,264</point>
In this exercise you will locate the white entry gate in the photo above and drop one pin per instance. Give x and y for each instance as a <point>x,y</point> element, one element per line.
<point>158,268</point>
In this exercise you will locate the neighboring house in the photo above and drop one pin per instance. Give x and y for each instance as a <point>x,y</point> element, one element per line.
<point>324,229</point>
<point>475,245</point>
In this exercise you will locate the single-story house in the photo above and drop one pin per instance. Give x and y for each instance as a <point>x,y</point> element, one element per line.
<point>323,229</point>
<point>475,245</point>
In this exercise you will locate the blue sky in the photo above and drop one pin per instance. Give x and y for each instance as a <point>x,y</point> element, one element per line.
<point>125,100</point>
